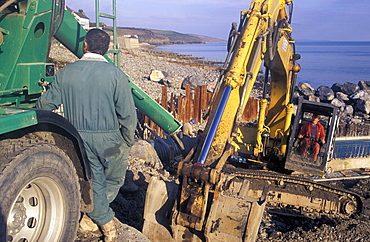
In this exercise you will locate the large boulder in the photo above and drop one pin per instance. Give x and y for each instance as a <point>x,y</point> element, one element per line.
<point>352,100</point>
<point>364,85</point>
<point>312,98</point>
<point>343,97</point>
<point>363,105</point>
<point>193,81</point>
<point>337,87</point>
<point>156,75</point>
<point>325,93</point>
<point>338,103</point>
<point>361,94</point>
<point>306,89</point>
<point>348,110</point>
<point>350,88</point>
<point>145,151</point>
<point>362,100</point>
<point>355,120</point>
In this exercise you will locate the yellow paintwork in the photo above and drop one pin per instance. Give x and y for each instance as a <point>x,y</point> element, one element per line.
<point>249,54</point>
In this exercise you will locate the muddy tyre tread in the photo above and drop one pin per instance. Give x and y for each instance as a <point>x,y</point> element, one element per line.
<point>19,159</point>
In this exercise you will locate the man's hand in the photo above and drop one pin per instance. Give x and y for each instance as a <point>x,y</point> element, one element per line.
<point>300,136</point>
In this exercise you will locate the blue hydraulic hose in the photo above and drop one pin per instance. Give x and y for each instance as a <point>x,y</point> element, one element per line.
<point>214,125</point>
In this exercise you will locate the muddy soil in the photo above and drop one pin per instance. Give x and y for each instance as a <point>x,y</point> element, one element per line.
<point>129,207</point>
<point>125,233</point>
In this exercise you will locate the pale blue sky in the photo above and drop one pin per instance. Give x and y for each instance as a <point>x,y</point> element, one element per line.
<point>335,20</point>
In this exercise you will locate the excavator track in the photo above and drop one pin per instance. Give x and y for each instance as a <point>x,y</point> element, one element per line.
<point>295,196</point>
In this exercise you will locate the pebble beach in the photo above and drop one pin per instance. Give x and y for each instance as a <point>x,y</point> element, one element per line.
<point>139,66</point>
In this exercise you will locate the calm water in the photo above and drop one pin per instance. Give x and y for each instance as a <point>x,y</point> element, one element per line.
<point>322,63</point>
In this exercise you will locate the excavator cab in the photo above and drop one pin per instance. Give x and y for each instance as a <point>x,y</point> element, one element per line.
<point>329,119</point>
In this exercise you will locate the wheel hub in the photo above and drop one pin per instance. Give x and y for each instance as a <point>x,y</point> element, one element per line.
<point>17,217</point>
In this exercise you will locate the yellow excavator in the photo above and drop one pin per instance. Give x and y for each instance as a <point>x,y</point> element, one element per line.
<point>226,182</point>
<point>238,169</point>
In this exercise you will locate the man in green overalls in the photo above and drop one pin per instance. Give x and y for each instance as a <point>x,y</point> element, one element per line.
<point>97,100</point>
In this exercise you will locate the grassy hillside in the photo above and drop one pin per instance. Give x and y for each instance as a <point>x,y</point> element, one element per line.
<point>164,37</point>
<point>208,39</point>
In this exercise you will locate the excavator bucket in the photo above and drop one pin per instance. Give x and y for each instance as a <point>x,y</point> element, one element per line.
<point>233,215</point>
<point>159,201</point>
<point>234,219</point>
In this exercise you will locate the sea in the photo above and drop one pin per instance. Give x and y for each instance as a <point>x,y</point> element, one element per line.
<point>323,63</point>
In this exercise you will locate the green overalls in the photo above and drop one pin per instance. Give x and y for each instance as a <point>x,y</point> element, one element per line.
<point>97,100</point>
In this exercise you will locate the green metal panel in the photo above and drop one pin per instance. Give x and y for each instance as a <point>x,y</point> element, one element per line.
<point>24,52</point>
<point>14,119</point>
<point>25,42</point>
<point>71,34</point>
<point>32,73</point>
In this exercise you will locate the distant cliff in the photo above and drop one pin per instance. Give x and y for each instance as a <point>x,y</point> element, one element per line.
<point>166,37</point>
<point>208,39</point>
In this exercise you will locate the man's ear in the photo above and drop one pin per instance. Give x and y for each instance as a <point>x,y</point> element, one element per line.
<point>86,47</point>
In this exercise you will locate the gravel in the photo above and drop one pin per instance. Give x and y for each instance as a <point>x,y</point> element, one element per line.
<point>139,69</point>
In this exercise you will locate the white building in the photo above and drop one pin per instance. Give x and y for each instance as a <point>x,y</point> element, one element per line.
<point>82,19</point>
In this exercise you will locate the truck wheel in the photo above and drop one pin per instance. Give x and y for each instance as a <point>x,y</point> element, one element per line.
<point>40,195</point>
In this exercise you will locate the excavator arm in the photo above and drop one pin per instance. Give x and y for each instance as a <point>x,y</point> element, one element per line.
<point>264,36</point>
<point>217,200</point>
<point>262,33</point>
<point>211,204</point>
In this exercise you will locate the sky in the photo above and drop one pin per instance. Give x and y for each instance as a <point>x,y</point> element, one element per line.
<point>331,20</point>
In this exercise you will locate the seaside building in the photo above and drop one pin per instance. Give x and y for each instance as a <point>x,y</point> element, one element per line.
<point>80,16</point>
<point>129,41</point>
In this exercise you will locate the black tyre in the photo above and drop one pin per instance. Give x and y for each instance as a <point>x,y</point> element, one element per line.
<point>40,195</point>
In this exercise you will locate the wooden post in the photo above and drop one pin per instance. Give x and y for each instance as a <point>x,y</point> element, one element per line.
<point>172,104</point>
<point>250,110</point>
<point>209,96</point>
<point>197,105</point>
<point>188,104</point>
<point>204,100</point>
<point>146,119</point>
<point>180,110</point>
<point>164,101</point>
<point>158,130</point>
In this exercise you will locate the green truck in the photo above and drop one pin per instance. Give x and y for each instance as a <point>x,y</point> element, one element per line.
<point>45,178</point>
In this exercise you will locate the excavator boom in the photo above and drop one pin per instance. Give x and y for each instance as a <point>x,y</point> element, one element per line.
<point>237,170</point>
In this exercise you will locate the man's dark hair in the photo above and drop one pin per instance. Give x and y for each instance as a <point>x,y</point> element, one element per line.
<point>97,41</point>
<point>315,115</point>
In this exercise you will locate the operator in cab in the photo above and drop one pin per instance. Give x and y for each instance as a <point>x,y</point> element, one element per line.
<point>313,136</point>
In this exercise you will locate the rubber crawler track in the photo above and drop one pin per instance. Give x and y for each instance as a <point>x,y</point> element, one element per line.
<point>274,178</point>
